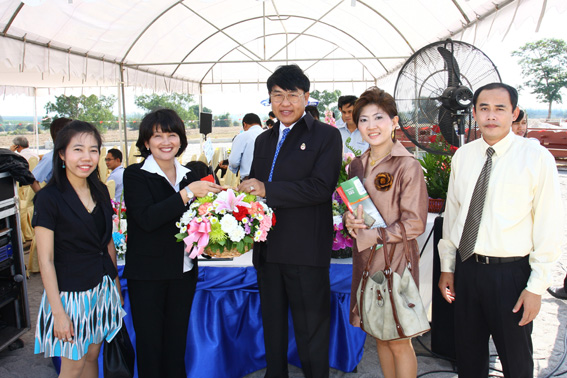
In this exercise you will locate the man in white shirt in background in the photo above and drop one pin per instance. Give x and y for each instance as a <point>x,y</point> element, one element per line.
<point>352,139</point>
<point>242,151</point>
<point>113,162</point>
<point>21,145</point>
<point>508,262</point>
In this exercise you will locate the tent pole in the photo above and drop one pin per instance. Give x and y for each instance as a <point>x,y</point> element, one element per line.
<point>35,126</point>
<point>124,113</point>
<point>199,118</point>
<point>120,116</point>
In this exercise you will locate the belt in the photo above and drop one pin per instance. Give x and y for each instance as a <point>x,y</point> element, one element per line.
<point>495,260</point>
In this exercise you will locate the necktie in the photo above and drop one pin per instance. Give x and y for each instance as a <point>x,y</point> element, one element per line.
<point>470,231</point>
<point>284,135</point>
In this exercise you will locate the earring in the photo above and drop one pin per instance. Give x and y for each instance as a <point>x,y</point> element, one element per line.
<point>63,166</point>
<point>393,133</point>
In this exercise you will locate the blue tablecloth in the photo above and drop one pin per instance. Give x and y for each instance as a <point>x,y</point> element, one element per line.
<point>225,337</point>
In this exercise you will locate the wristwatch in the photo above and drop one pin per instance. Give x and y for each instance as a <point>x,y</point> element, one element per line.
<point>190,194</point>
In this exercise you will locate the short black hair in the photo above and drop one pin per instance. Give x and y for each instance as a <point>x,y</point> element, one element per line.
<point>312,109</point>
<point>116,153</point>
<point>346,100</point>
<point>511,91</point>
<point>289,78</point>
<point>167,121</point>
<point>251,119</point>
<point>271,114</point>
<point>270,122</point>
<point>56,126</point>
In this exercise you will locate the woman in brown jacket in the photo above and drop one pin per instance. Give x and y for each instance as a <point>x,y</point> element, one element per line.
<point>394,180</point>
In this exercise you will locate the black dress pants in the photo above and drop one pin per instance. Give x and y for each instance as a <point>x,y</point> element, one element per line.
<point>160,313</point>
<point>306,291</point>
<point>484,298</point>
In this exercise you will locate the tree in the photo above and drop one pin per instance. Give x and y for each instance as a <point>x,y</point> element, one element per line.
<point>222,120</point>
<point>544,66</point>
<point>181,103</point>
<point>93,109</point>
<point>326,98</point>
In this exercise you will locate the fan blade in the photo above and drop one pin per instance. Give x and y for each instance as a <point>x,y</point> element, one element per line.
<point>447,129</point>
<point>452,67</point>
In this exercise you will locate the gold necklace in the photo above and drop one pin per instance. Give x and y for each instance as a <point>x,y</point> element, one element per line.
<point>88,205</point>
<point>374,161</point>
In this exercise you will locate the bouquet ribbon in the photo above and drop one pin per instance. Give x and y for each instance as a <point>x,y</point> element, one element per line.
<point>198,233</point>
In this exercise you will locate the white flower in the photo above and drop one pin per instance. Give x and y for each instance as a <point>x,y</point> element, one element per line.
<point>259,217</point>
<point>337,220</point>
<point>187,216</point>
<point>228,223</point>
<point>183,229</point>
<point>213,220</point>
<point>237,234</point>
<point>245,220</point>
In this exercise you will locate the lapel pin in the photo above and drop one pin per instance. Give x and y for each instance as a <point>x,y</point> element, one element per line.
<point>302,146</point>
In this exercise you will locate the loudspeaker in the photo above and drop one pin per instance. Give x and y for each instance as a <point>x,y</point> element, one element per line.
<point>442,312</point>
<point>205,123</point>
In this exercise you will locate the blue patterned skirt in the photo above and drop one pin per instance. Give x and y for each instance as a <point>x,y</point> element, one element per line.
<point>96,315</point>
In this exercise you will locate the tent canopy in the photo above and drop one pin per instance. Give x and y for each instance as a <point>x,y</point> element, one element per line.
<point>200,46</point>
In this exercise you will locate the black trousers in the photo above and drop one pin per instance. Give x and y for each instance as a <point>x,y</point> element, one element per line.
<point>484,298</point>
<point>306,291</point>
<point>160,313</point>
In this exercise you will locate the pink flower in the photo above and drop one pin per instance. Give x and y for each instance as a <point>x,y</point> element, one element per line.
<point>230,202</point>
<point>203,208</point>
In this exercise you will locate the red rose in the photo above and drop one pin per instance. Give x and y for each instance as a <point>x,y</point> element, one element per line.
<point>436,128</point>
<point>433,138</point>
<point>273,219</point>
<point>242,212</point>
<point>453,148</point>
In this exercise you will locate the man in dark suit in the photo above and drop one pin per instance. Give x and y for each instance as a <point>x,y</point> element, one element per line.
<point>296,167</point>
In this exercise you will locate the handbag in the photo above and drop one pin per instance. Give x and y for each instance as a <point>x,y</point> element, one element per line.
<point>389,305</point>
<point>119,356</point>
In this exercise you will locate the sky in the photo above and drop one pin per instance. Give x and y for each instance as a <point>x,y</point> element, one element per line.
<point>238,104</point>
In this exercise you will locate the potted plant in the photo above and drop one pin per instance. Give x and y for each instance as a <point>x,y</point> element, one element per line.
<point>437,170</point>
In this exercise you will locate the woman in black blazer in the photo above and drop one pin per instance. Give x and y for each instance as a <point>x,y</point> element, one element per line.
<point>81,305</point>
<point>161,276</point>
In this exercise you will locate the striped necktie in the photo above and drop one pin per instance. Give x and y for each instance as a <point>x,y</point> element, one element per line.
<point>284,135</point>
<point>470,230</point>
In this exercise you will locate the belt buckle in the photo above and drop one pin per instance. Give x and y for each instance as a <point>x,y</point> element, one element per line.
<point>482,259</point>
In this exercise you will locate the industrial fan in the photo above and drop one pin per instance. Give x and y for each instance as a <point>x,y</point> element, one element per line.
<point>435,87</point>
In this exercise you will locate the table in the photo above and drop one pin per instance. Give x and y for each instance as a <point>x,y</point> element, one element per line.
<point>225,337</point>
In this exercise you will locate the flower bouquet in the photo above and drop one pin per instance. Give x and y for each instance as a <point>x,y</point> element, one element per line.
<point>225,224</point>
<point>342,242</point>
<point>119,228</point>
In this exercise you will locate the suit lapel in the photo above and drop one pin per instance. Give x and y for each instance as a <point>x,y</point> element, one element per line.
<point>77,207</point>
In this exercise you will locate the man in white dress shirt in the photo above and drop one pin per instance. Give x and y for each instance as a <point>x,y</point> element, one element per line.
<point>113,162</point>
<point>352,139</point>
<point>21,145</point>
<point>497,290</point>
<point>242,151</point>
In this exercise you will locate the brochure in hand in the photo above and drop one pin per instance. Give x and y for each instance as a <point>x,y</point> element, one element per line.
<point>353,194</point>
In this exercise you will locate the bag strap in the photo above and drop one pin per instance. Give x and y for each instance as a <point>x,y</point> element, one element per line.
<point>389,274</point>
<point>365,275</point>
